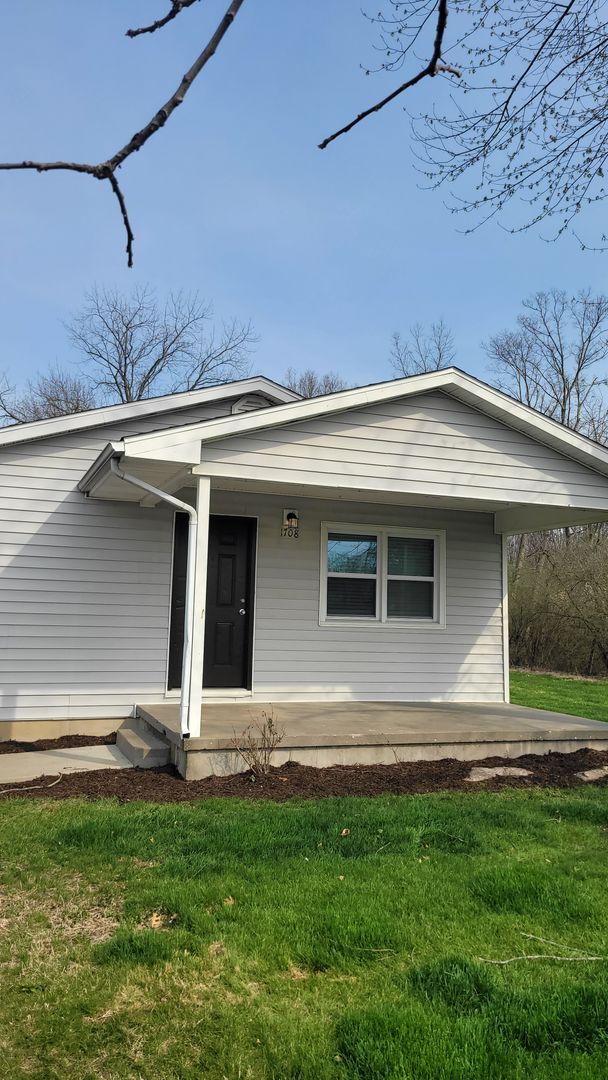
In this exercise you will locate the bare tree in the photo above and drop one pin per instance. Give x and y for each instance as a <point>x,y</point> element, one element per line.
<point>310,383</point>
<point>527,109</point>
<point>132,347</point>
<point>555,358</point>
<point>423,350</point>
<point>55,393</point>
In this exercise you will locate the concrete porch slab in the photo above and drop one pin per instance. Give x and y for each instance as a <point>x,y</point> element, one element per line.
<point>373,732</point>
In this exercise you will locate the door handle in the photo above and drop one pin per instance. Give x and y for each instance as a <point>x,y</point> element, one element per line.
<point>242,611</point>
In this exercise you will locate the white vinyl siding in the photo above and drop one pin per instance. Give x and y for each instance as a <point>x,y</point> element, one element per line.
<point>84,585</point>
<point>297,659</point>
<point>431,444</point>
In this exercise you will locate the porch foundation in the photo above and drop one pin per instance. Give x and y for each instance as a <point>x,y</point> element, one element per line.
<point>371,733</point>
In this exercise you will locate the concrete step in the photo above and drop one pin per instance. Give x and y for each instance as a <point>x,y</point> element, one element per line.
<point>141,747</point>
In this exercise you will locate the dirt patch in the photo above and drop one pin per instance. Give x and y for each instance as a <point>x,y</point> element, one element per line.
<point>47,924</point>
<point>157,920</point>
<point>64,742</point>
<point>293,781</point>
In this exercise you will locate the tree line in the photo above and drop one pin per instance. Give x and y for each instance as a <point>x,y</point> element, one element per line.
<point>133,346</point>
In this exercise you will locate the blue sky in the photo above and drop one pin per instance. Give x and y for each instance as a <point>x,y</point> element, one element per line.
<point>327,252</point>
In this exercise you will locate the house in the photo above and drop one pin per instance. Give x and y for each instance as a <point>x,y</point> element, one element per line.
<point>243,548</point>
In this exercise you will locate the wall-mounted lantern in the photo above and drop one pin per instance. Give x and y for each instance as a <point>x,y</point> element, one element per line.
<point>291,524</point>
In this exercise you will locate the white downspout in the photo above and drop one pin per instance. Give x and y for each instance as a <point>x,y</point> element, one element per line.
<point>189,603</point>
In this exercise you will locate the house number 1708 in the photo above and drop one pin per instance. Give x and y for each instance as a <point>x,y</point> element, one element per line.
<point>290,531</point>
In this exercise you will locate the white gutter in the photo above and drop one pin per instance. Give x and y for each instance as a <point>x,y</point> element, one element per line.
<point>184,703</point>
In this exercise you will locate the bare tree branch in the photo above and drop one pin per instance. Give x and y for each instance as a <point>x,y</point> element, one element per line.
<point>106,170</point>
<point>542,956</point>
<point>434,67</point>
<point>545,956</point>
<point>527,121</point>
<point>160,118</point>
<point>176,7</point>
<point>125,217</point>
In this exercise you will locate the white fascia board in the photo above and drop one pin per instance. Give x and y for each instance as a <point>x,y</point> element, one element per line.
<point>534,518</point>
<point>173,448</point>
<point>111,414</point>
<point>450,381</point>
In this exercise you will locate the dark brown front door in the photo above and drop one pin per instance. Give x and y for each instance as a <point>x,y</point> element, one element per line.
<point>228,619</point>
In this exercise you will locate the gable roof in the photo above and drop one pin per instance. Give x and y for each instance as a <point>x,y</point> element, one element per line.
<point>451,381</point>
<point>110,414</point>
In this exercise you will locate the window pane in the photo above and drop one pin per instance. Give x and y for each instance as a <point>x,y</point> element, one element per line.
<point>348,553</point>
<point>411,556</point>
<point>410,599</point>
<point>351,596</point>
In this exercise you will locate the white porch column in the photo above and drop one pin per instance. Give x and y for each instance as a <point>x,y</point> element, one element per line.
<point>200,557</point>
<point>506,669</point>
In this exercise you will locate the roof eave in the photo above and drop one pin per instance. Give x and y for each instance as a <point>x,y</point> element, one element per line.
<point>111,414</point>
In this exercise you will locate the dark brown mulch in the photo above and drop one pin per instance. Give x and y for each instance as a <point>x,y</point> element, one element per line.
<point>294,781</point>
<point>64,742</point>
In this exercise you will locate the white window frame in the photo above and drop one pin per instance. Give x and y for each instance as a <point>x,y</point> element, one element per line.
<point>381,618</point>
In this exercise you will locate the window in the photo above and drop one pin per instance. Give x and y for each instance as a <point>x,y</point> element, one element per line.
<point>382,574</point>
<point>352,574</point>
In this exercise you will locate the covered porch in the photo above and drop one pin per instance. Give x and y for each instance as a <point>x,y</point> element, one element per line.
<point>328,719</point>
<point>369,733</point>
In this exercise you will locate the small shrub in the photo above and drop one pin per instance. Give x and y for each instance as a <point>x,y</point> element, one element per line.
<point>257,743</point>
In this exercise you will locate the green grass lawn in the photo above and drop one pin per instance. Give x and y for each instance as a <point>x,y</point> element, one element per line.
<point>580,697</point>
<point>231,940</point>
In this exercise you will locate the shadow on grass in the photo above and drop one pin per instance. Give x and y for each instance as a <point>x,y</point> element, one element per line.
<point>468,1024</point>
<point>212,834</point>
<point>147,947</point>
<point>463,986</point>
<point>530,890</point>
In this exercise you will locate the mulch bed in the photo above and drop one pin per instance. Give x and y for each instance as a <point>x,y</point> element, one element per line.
<point>64,742</point>
<point>294,781</point>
